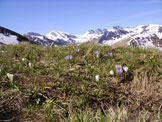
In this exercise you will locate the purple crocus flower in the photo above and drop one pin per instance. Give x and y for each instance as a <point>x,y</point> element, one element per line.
<point>110,54</point>
<point>119,70</point>
<point>68,57</point>
<point>118,66</point>
<point>77,49</point>
<point>96,52</point>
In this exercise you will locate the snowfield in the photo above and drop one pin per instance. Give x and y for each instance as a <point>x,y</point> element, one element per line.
<point>10,39</point>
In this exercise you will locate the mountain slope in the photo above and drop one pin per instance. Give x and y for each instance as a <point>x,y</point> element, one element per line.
<point>10,37</point>
<point>61,37</point>
<point>38,38</point>
<point>147,36</point>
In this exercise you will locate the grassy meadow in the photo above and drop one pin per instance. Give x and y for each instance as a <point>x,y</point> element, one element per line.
<point>80,83</point>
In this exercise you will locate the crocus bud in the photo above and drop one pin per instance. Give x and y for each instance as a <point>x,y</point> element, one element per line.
<point>68,57</point>
<point>77,49</point>
<point>119,71</point>
<point>96,52</point>
<point>111,72</point>
<point>30,65</point>
<point>118,66</point>
<point>110,54</point>
<point>23,59</point>
<point>125,69</point>
<point>97,77</point>
<point>10,77</point>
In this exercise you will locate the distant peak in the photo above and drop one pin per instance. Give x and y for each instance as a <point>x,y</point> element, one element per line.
<point>98,31</point>
<point>59,32</point>
<point>91,31</point>
<point>117,27</point>
<point>34,34</point>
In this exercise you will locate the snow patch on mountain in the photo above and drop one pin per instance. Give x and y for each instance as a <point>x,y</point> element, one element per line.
<point>141,41</point>
<point>37,35</point>
<point>8,39</point>
<point>61,36</point>
<point>38,38</point>
<point>154,30</point>
<point>88,36</point>
<point>116,40</point>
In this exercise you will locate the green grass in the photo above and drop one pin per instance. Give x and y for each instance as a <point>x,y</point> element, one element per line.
<point>56,90</point>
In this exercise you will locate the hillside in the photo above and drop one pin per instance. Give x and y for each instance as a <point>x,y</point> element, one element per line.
<point>80,83</point>
<point>8,36</point>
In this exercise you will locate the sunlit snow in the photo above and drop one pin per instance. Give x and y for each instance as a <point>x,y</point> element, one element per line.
<point>10,39</point>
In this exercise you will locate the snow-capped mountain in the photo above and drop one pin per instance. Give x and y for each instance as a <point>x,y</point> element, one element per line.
<point>38,38</point>
<point>146,36</point>
<point>58,38</point>
<point>143,36</point>
<point>61,37</point>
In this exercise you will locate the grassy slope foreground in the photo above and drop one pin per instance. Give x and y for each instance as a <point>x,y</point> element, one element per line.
<point>47,87</point>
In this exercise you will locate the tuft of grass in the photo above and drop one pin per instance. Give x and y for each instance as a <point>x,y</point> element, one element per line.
<point>55,89</point>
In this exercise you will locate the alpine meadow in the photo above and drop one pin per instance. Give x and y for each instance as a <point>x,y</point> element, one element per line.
<point>80,83</point>
<point>80,60</point>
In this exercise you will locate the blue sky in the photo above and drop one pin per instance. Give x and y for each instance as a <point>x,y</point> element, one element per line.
<point>77,16</point>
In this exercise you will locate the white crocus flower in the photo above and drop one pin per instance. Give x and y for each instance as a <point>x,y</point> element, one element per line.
<point>125,69</point>
<point>111,72</point>
<point>30,65</point>
<point>0,70</point>
<point>23,59</point>
<point>97,77</point>
<point>10,77</point>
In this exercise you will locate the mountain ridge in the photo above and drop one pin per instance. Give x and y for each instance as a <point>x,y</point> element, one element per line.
<point>142,36</point>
